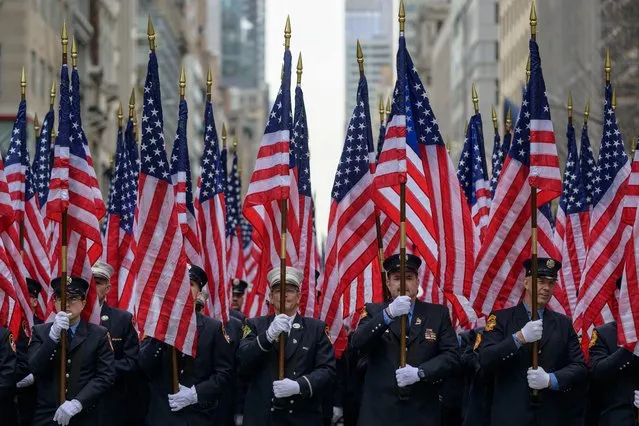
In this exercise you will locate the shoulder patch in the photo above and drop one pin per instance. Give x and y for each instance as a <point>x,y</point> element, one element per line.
<point>491,322</point>
<point>12,342</point>
<point>108,336</point>
<point>593,339</point>
<point>477,341</point>
<point>246,330</point>
<point>226,335</point>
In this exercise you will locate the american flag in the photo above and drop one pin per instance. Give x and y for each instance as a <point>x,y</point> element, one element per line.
<point>181,178</point>
<point>380,139</point>
<point>498,162</point>
<point>119,244</point>
<point>233,223</point>
<point>496,149</point>
<point>588,167</point>
<point>307,259</point>
<point>473,174</point>
<point>35,250</point>
<point>609,232</point>
<point>42,159</point>
<point>572,224</point>
<point>628,330</point>
<point>499,266</point>
<point>352,269</point>
<point>250,262</point>
<point>211,216</point>
<point>165,307</point>
<point>271,181</point>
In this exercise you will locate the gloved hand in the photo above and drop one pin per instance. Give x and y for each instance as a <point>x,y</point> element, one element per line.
<point>636,398</point>
<point>281,324</point>
<point>338,414</point>
<point>183,398</point>
<point>60,322</point>
<point>26,382</point>
<point>238,419</point>
<point>67,410</point>
<point>538,379</point>
<point>399,306</point>
<point>532,331</point>
<point>285,388</point>
<point>406,376</point>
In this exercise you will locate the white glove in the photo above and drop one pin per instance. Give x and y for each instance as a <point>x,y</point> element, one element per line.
<point>60,322</point>
<point>238,419</point>
<point>281,324</point>
<point>406,376</point>
<point>67,410</point>
<point>538,379</point>
<point>184,398</point>
<point>26,382</point>
<point>285,388</point>
<point>532,331</point>
<point>399,306</point>
<point>636,398</point>
<point>338,413</point>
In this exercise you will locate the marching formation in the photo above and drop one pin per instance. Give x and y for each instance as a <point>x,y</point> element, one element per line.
<point>443,296</point>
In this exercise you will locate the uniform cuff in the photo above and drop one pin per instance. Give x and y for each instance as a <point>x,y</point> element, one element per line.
<point>263,342</point>
<point>387,319</point>
<point>554,384</point>
<point>517,342</point>
<point>306,389</point>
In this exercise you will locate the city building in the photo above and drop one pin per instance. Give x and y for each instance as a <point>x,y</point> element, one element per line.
<point>440,90</point>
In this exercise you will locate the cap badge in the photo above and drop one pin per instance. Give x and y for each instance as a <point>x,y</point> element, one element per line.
<point>550,264</point>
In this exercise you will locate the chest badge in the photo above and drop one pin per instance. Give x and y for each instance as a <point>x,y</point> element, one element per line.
<point>430,335</point>
<point>296,325</point>
<point>418,321</point>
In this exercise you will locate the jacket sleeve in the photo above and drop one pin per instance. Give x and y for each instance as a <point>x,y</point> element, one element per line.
<point>104,377</point>
<point>323,373</point>
<point>218,383</point>
<point>42,352</point>
<point>151,355</point>
<point>370,328</point>
<point>608,366</point>
<point>575,372</point>
<point>447,362</point>
<point>7,365</point>
<point>254,349</point>
<point>22,360</point>
<point>131,348</point>
<point>497,347</point>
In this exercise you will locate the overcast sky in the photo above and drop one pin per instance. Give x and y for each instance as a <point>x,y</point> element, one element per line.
<point>318,32</point>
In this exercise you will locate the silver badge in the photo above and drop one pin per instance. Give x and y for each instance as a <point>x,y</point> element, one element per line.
<point>104,317</point>
<point>296,325</point>
<point>294,341</point>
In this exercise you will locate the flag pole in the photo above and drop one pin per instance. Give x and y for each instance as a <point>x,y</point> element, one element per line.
<point>36,125</point>
<point>402,238</point>
<point>378,225</point>
<point>63,262</point>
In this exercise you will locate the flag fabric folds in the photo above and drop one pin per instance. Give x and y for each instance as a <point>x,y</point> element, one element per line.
<point>234,235</point>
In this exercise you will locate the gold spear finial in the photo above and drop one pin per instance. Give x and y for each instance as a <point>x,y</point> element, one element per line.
<point>528,69</point>
<point>402,16</point>
<point>150,33</point>
<point>287,33</point>
<point>494,117</point>
<point>448,143</point>
<point>36,125</point>
<point>52,95</point>
<point>132,103</point>
<point>533,20</point>
<point>23,84</point>
<point>614,99</point>
<point>509,120</point>
<point>360,58</point>
<point>475,99</point>
<point>135,126</point>
<point>182,83</point>
<point>381,109</point>
<point>570,107</point>
<point>209,85</point>
<point>235,142</point>
<point>300,68</point>
<point>587,112</point>
<point>388,109</point>
<point>224,135</point>
<point>607,66</point>
<point>282,73</point>
<point>65,42</point>
<point>74,53</point>
<point>120,115</point>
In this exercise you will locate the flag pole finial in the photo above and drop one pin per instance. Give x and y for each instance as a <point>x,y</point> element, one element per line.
<point>475,99</point>
<point>150,33</point>
<point>132,103</point>
<point>509,120</point>
<point>224,135</point>
<point>570,107</point>
<point>388,108</point>
<point>608,66</point>
<point>402,16</point>
<point>209,85</point>
<point>65,42</point>
<point>381,109</point>
<point>235,142</point>
<point>287,33</point>
<point>182,83</point>
<point>23,84</point>
<point>494,117</point>
<point>614,99</point>
<point>360,59</point>
<point>52,95</point>
<point>587,113</point>
<point>36,124</point>
<point>300,68</point>
<point>533,20</point>
<point>74,53</point>
<point>120,115</point>
<point>528,69</point>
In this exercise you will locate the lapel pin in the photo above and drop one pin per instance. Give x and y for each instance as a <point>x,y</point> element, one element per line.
<point>296,325</point>
<point>418,321</point>
<point>104,317</point>
<point>294,341</point>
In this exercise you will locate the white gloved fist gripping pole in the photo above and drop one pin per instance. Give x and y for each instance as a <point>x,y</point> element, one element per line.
<point>67,410</point>
<point>636,401</point>
<point>281,324</point>
<point>407,376</point>
<point>532,331</point>
<point>399,306</point>
<point>26,382</point>
<point>338,414</point>
<point>60,322</point>
<point>285,388</point>
<point>538,378</point>
<point>238,419</point>
<point>183,398</point>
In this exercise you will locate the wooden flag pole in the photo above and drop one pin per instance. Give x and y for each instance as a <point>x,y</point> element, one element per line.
<point>36,125</point>
<point>402,271</point>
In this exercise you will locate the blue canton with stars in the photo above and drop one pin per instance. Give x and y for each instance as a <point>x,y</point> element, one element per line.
<point>18,153</point>
<point>77,138</point>
<point>180,155</point>
<point>573,198</point>
<point>612,154</point>
<point>587,164</point>
<point>232,198</point>
<point>43,159</point>
<point>496,150</point>
<point>299,146</point>
<point>123,192</point>
<point>539,108</point>
<point>247,230</point>
<point>520,146</point>
<point>212,180</point>
<point>280,117</point>
<point>380,139</point>
<point>354,162</point>
<point>152,154</point>
<point>499,162</point>
<point>472,162</point>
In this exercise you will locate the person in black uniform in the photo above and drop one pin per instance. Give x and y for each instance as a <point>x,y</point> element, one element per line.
<point>394,396</point>
<point>237,301</point>
<point>478,387</point>
<point>89,369</point>
<point>505,351</point>
<point>309,361</point>
<point>8,412</point>
<point>202,380</point>
<point>119,406</point>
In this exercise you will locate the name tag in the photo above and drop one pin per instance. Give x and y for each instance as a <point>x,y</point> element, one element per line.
<point>430,335</point>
